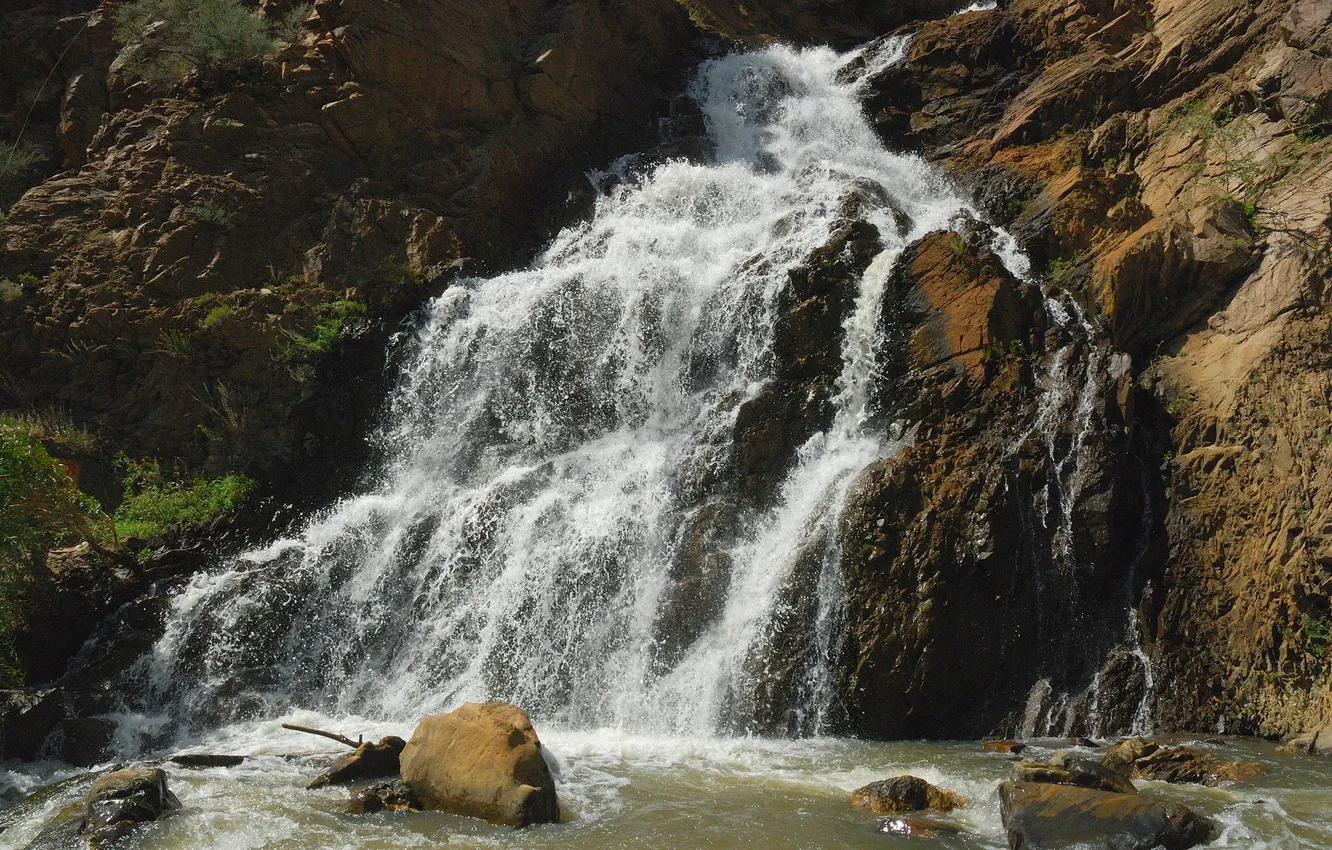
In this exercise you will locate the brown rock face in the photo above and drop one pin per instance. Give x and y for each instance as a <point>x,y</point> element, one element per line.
<point>1046,817</point>
<point>484,761</point>
<point>1171,272</point>
<point>841,23</point>
<point>214,228</point>
<point>1165,163</point>
<point>962,305</point>
<point>903,794</point>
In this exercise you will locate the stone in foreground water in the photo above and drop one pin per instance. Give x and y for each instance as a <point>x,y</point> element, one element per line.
<point>1037,816</point>
<point>483,761</point>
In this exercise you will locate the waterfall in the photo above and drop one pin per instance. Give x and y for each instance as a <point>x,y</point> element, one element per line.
<point>553,451</point>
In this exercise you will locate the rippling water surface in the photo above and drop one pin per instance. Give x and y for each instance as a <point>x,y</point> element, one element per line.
<point>619,790</point>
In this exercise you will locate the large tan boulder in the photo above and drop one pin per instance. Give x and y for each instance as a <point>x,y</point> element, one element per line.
<point>482,760</point>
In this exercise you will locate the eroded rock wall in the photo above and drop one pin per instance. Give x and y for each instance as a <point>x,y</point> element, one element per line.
<point>1166,164</point>
<point>213,278</point>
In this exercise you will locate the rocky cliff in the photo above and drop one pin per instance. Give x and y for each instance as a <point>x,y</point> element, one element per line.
<point>1167,164</point>
<point>1116,502</point>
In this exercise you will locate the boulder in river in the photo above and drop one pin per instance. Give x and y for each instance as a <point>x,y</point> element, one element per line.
<point>904,794</point>
<point>1315,743</point>
<point>1080,769</point>
<point>1146,759</point>
<point>123,800</point>
<point>1038,816</point>
<point>1005,747</point>
<point>368,761</point>
<point>484,761</point>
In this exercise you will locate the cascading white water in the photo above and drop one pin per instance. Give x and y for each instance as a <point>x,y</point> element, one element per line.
<point>552,439</point>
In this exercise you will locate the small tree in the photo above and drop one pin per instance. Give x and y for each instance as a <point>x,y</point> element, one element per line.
<point>169,38</point>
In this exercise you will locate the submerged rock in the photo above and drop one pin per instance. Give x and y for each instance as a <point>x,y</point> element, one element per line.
<point>904,794</point>
<point>199,760</point>
<point>1005,747</point>
<point>916,828</point>
<point>483,761</point>
<point>1038,816</point>
<point>394,796</point>
<point>369,761</point>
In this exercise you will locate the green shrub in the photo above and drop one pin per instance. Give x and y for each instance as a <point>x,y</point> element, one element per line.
<point>154,504</point>
<point>1318,633</point>
<point>213,214</point>
<point>175,342</point>
<point>326,333</point>
<point>292,26</point>
<point>1060,268</point>
<point>15,158</point>
<point>217,316</point>
<point>10,291</point>
<point>175,37</point>
<point>40,506</point>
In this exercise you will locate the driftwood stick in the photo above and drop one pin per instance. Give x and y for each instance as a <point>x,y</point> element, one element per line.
<point>341,739</point>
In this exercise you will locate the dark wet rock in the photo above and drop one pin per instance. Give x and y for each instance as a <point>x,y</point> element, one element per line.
<point>807,346</point>
<point>202,760</point>
<point>121,801</point>
<point>368,761</point>
<point>904,794</point>
<point>1151,760</point>
<point>54,723</point>
<point>85,741</point>
<point>1080,769</point>
<point>1005,747</point>
<point>1000,192</point>
<point>1048,817</point>
<point>483,761</point>
<point>392,796</point>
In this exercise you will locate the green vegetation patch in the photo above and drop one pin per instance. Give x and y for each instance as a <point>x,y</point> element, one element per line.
<point>167,39</point>
<point>40,506</point>
<point>153,504</point>
<point>217,316</point>
<point>1318,633</point>
<point>18,157</point>
<point>326,333</point>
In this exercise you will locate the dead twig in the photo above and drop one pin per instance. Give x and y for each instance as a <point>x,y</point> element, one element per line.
<point>341,739</point>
